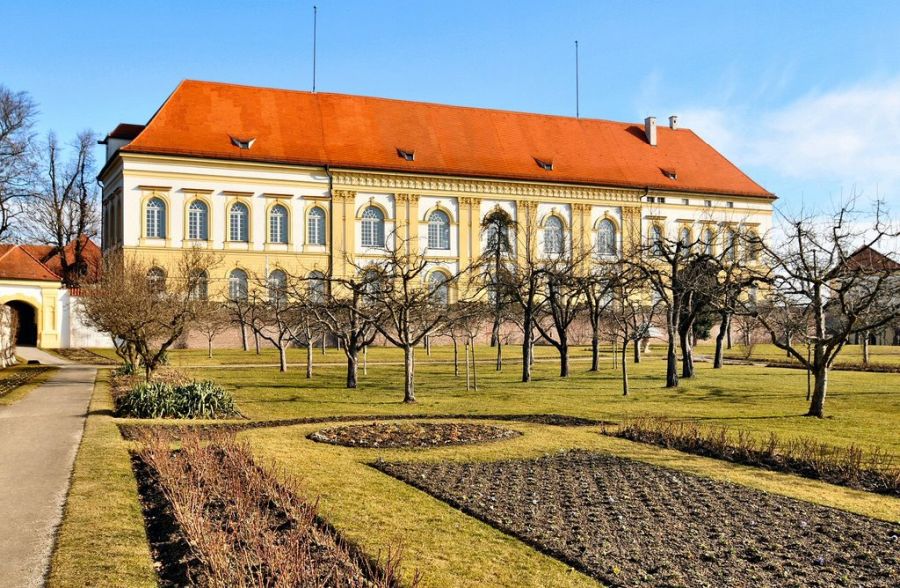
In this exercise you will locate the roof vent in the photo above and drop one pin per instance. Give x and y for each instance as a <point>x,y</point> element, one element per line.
<point>673,122</point>
<point>650,130</point>
<point>243,143</point>
<point>669,173</point>
<point>544,164</point>
<point>407,154</point>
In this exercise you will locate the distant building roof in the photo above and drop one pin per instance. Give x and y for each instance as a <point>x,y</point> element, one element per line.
<point>44,262</point>
<point>225,121</point>
<point>868,258</point>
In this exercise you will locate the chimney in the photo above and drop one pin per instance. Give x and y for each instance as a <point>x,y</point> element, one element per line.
<point>650,130</point>
<point>673,122</point>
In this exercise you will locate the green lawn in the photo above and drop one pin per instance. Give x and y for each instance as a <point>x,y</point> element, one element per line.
<point>851,354</point>
<point>102,532</point>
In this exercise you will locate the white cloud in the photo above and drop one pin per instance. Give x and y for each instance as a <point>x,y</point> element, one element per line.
<point>848,136</point>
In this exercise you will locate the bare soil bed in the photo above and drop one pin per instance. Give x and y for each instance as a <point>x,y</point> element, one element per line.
<point>13,378</point>
<point>627,523</point>
<point>411,435</point>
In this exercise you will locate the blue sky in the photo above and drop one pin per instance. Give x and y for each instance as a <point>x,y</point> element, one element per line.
<point>804,96</point>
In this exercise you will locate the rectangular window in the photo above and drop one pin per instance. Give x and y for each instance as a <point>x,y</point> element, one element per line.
<point>707,203</point>
<point>685,201</point>
<point>729,204</point>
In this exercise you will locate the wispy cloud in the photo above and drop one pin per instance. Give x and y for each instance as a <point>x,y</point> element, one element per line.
<point>849,136</point>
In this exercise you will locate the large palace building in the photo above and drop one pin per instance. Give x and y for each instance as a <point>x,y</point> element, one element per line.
<point>301,182</point>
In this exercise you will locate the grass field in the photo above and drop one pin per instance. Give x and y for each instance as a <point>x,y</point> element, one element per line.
<point>450,548</point>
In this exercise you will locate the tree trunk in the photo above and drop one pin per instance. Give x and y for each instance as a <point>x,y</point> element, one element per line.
<point>495,330</point>
<point>671,361</point>
<point>637,351</point>
<point>428,346</point>
<point>409,389</point>
<point>817,404</point>
<point>615,354</point>
<point>724,325</point>
<point>309,360</point>
<point>527,350</point>
<point>365,360</point>
<point>499,365</point>
<point>595,351</point>
<point>564,360</point>
<point>728,336</point>
<point>625,366</point>
<point>244,345</point>
<point>282,358</point>
<point>474,365</point>
<point>352,366</point>
<point>209,348</point>
<point>865,348</point>
<point>468,378</point>
<point>323,343</point>
<point>256,341</point>
<point>687,355</point>
<point>455,357</point>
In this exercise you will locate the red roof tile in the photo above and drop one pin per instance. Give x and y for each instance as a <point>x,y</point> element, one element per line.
<point>17,263</point>
<point>48,256</point>
<point>293,127</point>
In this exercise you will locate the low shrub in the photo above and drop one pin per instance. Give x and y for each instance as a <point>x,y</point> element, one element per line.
<point>875,471</point>
<point>188,400</point>
<point>244,527</point>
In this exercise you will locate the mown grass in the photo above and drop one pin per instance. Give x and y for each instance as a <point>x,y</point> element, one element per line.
<point>20,391</point>
<point>102,541</point>
<point>453,549</point>
<point>862,408</point>
<point>850,355</point>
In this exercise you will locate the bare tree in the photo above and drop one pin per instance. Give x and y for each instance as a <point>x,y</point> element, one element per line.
<point>404,306</point>
<point>63,206</point>
<point>211,319</point>
<point>563,297</point>
<point>596,286</point>
<point>275,314</point>
<point>143,315</point>
<point>17,114</point>
<point>631,313</point>
<point>827,276</point>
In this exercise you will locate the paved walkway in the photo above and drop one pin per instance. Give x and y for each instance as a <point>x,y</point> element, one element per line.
<point>42,357</point>
<point>39,436</point>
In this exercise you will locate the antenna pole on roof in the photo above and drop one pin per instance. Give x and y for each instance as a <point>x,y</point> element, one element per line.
<point>315,22</point>
<point>577,104</point>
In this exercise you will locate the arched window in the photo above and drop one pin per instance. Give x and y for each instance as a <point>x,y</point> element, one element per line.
<point>237,285</point>
<point>553,236</point>
<point>496,230</point>
<point>754,245</point>
<point>440,288</point>
<point>238,223</point>
<point>731,244</point>
<point>372,284</point>
<point>606,237</point>
<point>278,224</point>
<point>685,237</point>
<point>317,289</point>
<point>277,286</point>
<point>198,221</point>
<point>372,227</point>
<point>708,238</point>
<point>198,282</point>
<point>315,226</point>
<point>656,240</point>
<point>156,218</point>
<point>156,277</point>
<point>439,230</point>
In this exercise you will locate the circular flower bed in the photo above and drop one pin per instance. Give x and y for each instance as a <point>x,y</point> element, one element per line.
<point>411,435</point>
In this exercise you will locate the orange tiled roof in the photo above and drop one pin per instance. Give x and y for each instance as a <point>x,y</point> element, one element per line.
<point>17,263</point>
<point>868,258</point>
<point>52,259</point>
<point>200,118</point>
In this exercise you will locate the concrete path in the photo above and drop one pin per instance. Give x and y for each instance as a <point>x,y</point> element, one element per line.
<point>39,436</point>
<point>42,357</point>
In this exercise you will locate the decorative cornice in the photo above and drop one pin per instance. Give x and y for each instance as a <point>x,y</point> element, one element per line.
<point>404,197</point>
<point>482,187</point>
<point>343,194</point>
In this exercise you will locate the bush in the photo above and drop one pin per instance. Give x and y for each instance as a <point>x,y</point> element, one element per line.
<point>190,400</point>
<point>875,471</point>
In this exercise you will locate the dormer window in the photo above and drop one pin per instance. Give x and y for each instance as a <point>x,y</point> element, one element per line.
<point>243,143</point>
<point>669,173</point>
<point>407,154</point>
<point>544,164</point>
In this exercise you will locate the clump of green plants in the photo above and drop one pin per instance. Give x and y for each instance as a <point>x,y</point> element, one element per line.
<point>181,400</point>
<point>875,470</point>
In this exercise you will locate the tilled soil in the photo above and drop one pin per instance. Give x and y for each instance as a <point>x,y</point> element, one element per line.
<point>411,435</point>
<point>132,432</point>
<point>628,523</point>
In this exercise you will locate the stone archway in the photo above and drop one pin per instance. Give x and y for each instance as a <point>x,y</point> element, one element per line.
<point>25,323</point>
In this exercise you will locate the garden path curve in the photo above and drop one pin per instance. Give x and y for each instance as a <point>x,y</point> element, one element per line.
<point>39,437</point>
